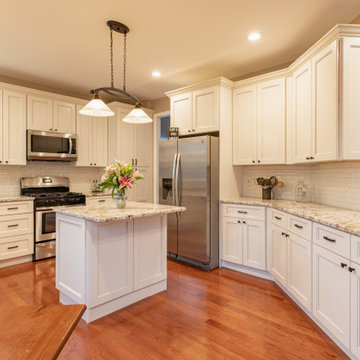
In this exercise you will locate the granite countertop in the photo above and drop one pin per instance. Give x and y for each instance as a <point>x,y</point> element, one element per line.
<point>107,213</point>
<point>338,218</point>
<point>16,198</point>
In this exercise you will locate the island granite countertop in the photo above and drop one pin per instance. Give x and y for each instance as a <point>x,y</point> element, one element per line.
<point>106,213</point>
<point>339,218</point>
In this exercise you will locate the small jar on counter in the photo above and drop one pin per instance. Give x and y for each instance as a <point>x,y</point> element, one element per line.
<point>301,192</point>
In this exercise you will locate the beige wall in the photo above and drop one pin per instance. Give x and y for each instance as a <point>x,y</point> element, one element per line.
<point>356,20</point>
<point>160,105</point>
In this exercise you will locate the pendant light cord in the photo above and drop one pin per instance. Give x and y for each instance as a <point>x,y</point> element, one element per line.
<point>111,58</point>
<point>124,70</point>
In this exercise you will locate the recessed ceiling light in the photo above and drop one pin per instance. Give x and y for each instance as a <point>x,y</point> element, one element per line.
<point>156,73</point>
<point>254,36</point>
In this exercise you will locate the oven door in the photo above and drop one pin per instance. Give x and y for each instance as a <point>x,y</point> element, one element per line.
<point>44,145</point>
<point>45,224</point>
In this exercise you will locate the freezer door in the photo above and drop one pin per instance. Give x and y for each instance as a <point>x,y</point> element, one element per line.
<point>194,193</point>
<point>167,162</point>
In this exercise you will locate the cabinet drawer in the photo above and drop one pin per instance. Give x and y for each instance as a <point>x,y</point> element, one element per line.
<point>23,207</point>
<point>278,218</point>
<point>244,211</point>
<point>299,226</point>
<point>355,248</point>
<point>100,201</point>
<point>12,225</point>
<point>16,246</point>
<point>332,239</point>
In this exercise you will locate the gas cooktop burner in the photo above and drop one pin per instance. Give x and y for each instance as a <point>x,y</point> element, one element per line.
<point>55,194</point>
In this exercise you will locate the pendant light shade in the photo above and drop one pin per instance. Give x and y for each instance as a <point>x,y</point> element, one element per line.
<point>137,116</point>
<point>96,107</point>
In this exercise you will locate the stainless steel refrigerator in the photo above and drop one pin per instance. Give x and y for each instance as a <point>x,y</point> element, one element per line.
<point>189,176</point>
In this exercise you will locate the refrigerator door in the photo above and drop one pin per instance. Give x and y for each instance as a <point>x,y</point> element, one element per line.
<point>194,193</point>
<point>167,162</point>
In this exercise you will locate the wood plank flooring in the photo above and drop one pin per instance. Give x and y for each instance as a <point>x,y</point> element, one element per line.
<point>220,314</point>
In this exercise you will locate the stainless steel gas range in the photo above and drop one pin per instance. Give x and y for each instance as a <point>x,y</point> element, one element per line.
<point>49,192</point>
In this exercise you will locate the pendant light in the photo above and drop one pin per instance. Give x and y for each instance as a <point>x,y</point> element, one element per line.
<point>96,107</point>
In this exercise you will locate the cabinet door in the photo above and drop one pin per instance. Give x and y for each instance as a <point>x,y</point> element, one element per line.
<point>254,244</point>
<point>206,110</point>
<point>350,98</point>
<point>149,250</point>
<point>99,141</point>
<point>331,292</point>
<point>124,138</point>
<point>2,160</point>
<point>14,128</point>
<point>299,269</point>
<point>142,146</point>
<point>355,310</point>
<point>64,117</point>
<point>232,240</point>
<point>271,122</point>
<point>142,188</point>
<point>39,113</point>
<point>84,139</point>
<point>302,113</point>
<point>181,112</point>
<point>278,254</point>
<point>244,126</point>
<point>325,104</point>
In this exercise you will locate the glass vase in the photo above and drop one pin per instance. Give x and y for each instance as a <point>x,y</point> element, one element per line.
<point>120,200</point>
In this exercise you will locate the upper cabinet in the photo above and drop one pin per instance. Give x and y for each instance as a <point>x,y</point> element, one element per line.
<point>50,115</point>
<point>13,129</point>
<point>196,109</point>
<point>259,123</point>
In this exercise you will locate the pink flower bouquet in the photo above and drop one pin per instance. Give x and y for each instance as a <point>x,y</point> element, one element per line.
<point>119,177</point>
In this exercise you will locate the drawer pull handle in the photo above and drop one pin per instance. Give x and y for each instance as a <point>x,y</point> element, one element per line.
<point>13,247</point>
<point>285,234</point>
<point>242,212</point>
<point>277,217</point>
<point>13,208</point>
<point>329,239</point>
<point>351,269</point>
<point>14,225</point>
<point>343,265</point>
<point>298,226</point>
<point>101,200</point>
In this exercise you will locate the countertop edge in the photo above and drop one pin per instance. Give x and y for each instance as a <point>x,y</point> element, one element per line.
<point>16,199</point>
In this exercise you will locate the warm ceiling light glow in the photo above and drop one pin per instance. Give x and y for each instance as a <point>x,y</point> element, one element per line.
<point>96,107</point>
<point>254,36</point>
<point>156,73</point>
<point>137,116</point>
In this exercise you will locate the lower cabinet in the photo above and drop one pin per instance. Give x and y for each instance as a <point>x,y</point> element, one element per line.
<point>331,292</point>
<point>355,309</point>
<point>243,242</point>
<point>277,256</point>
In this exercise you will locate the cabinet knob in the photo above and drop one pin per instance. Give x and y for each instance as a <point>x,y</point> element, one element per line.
<point>343,265</point>
<point>94,163</point>
<point>90,163</point>
<point>253,161</point>
<point>258,161</point>
<point>51,129</point>
<point>6,162</point>
<point>194,130</point>
<point>244,222</point>
<point>0,161</point>
<point>189,130</point>
<point>239,222</point>
<point>312,158</point>
<point>56,130</point>
<point>351,269</point>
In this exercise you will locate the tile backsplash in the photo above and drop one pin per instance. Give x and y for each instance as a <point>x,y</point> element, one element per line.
<point>336,184</point>
<point>80,177</point>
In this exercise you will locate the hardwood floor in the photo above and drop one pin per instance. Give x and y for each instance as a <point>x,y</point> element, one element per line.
<point>220,314</point>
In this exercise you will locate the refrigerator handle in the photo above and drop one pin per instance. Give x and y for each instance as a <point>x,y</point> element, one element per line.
<point>177,183</point>
<point>173,185</point>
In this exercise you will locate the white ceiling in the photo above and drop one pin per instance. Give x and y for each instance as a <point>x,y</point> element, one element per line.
<point>65,44</point>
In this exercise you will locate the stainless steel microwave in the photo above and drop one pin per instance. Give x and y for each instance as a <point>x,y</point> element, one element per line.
<point>44,145</point>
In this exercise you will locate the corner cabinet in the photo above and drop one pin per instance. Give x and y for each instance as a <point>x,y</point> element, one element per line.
<point>91,140</point>
<point>196,109</point>
<point>259,123</point>
<point>13,129</point>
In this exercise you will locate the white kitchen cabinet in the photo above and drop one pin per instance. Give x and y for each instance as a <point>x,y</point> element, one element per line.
<point>350,100</point>
<point>205,110</point>
<point>270,122</point>
<point>39,113</point>
<point>100,200</point>
<point>181,112</point>
<point>149,251</point>
<point>232,240</point>
<point>355,309</point>
<point>331,292</point>
<point>355,249</point>
<point>142,148</point>
<point>278,254</point>
<point>2,160</point>
<point>302,113</point>
<point>91,140</point>
<point>244,125</point>
<point>13,128</point>
<point>299,269</point>
<point>142,191</point>
<point>254,244</point>
<point>259,123</point>
<point>64,117</point>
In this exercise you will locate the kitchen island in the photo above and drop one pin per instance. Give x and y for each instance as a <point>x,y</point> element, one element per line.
<point>109,258</point>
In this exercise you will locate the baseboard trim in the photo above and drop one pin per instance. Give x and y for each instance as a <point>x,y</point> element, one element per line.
<point>15,261</point>
<point>246,270</point>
